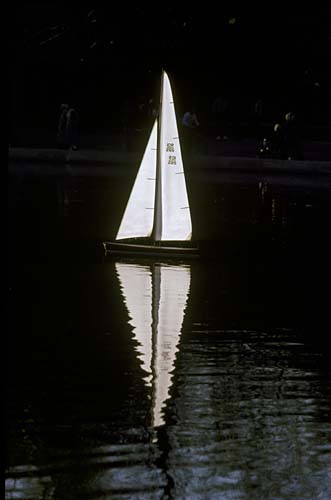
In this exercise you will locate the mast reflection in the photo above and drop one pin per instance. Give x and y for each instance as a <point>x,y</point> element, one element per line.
<point>156,296</point>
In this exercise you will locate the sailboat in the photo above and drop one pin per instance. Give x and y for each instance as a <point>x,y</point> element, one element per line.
<point>157,217</point>
<point>150,292</point>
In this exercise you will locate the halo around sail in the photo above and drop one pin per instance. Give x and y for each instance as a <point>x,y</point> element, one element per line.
<point>158,205</point>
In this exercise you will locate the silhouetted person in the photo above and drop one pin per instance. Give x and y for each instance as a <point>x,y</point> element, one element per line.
<point>190,124</point>
<point>67,132</point>
<point>277,140</point>
<point>258,116</point>
<point>72,128</point>
<point>265,150</point>
<point>291,147</point>
<point>151,111</point>
<point>62,126</point>
<point>285,141</point>
<point>221,117</point>
<point>142,114</point>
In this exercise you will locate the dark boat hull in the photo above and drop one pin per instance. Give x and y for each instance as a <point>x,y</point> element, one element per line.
<point>150,250</point>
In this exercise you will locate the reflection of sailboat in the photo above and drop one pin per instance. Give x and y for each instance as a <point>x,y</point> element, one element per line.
<point>157,217</point>
<point>156,296</point>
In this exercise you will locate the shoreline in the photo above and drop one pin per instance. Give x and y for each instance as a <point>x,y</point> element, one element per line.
<point>91,159</point>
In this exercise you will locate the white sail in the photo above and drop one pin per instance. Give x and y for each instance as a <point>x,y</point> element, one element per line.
<point>138,217</point>
<point>175,224</point>
<point>136,287</point>
<point>174,284</point>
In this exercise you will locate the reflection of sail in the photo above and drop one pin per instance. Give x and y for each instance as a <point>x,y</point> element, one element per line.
<point>156,297</point>
<point>174,288</point>
<point>136,286</point>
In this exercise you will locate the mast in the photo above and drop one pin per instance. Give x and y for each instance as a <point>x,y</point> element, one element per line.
<point>157,224</point>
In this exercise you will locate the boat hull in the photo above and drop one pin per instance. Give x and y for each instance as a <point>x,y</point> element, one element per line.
<point>150,250</point>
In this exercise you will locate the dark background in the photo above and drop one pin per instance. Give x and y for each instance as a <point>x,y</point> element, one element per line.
<point>96,58</point>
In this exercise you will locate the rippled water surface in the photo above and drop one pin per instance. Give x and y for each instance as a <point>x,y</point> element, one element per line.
<point>148,379</point>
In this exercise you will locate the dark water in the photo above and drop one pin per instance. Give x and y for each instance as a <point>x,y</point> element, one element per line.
<point>138,379</point>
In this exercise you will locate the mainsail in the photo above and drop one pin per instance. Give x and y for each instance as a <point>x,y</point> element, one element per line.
<point>158,205</point>
<point>156,298</point>
<point>174,206</point>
